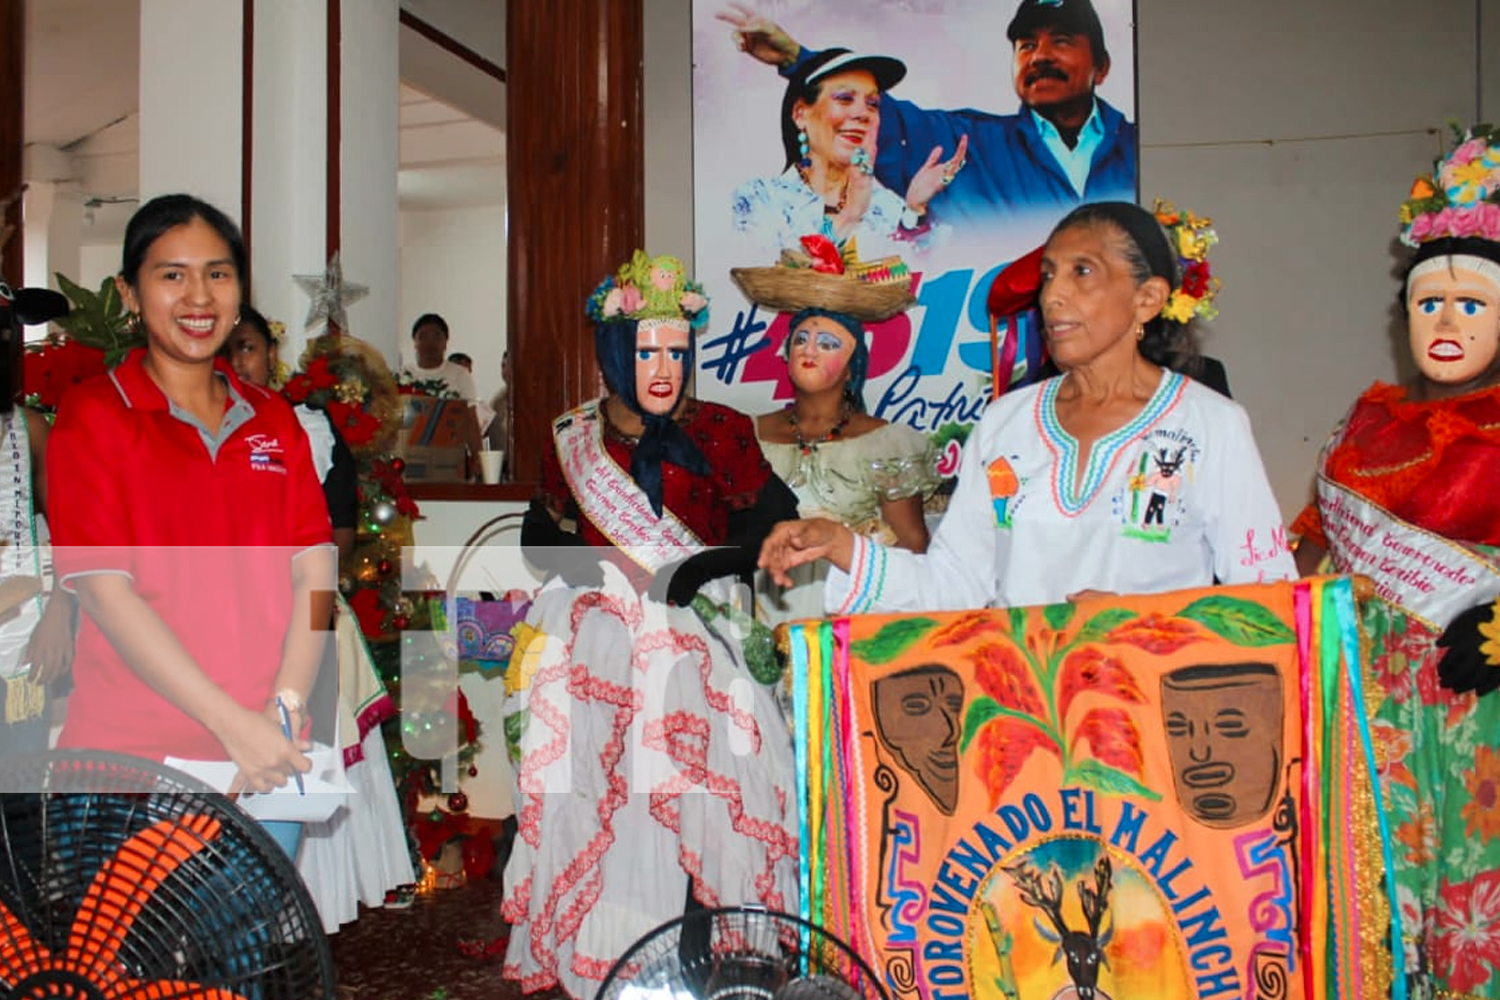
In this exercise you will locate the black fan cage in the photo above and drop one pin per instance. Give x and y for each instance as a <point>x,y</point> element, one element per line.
<point>122,877</point>
<point>740,953</point>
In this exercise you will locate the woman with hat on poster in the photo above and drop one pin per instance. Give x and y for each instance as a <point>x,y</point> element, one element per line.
<point>830,115</point>
<point>1406,495</point>
<point>1118,475</point>
<point>840,461</point>
<point>631,689</point>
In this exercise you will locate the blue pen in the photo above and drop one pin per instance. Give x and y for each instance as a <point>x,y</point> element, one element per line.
<point>286,729</point>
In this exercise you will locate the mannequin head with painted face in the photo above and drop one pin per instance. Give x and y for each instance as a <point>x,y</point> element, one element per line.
<point>827,350</point>
<point>1453,315</point>
<point>662,348</point>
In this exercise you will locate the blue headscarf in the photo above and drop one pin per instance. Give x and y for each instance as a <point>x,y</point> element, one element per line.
<point>859,361</point>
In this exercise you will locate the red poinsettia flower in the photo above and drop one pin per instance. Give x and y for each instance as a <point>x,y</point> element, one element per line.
<point>356,426</point>
<point>321,375</point>
<point>297,388</point>
<point>367,608</point>
<point>1196,278</point>
<point>50,370</point>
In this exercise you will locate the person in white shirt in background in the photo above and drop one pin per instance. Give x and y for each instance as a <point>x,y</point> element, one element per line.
<point>429,336</point>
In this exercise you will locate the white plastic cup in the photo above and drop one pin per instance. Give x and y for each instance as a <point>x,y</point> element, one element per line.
<point>489,465</point>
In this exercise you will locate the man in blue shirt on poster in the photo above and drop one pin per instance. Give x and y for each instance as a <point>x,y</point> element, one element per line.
<point>1065,146</point>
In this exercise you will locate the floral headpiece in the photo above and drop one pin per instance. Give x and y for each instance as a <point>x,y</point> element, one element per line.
<point>1461,197</point>
<point>1190,237</point>
<point>649,288</point>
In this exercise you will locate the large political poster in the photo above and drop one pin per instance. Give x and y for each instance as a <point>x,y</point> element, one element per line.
<point>1047,121</point>
<point>1160,796</point>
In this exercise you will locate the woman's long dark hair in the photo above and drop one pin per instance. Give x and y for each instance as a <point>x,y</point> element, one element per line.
<point>1150,255</point>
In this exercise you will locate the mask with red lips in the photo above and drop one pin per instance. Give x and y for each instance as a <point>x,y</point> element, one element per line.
<point>1453,317</point>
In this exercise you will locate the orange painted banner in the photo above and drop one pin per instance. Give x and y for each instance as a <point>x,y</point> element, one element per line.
<point>1125,798</point>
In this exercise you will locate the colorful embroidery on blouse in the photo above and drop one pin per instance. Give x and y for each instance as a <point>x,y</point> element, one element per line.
<point>1153,503</point>
<point>1004,485</point>
<point>1105,452</point>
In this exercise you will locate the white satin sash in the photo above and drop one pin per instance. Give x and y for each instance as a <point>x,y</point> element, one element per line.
<point>611,499</point>
<point>1423,573</point>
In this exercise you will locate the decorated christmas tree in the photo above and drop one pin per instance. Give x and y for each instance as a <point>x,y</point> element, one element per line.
<point>432,734</point>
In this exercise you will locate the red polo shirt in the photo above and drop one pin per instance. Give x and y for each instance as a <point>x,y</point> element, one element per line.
<point>205,529</point>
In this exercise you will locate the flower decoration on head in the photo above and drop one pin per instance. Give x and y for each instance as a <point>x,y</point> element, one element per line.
<point>1461,196</point>
<point>1191,236</point>
<point>649,288</point>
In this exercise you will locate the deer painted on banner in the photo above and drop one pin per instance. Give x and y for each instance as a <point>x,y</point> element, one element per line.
<point>1084,950</point>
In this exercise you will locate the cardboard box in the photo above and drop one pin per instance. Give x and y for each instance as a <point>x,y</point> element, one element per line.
<point>432,439</point>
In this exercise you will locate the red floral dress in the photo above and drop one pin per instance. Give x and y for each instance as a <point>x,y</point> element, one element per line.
<point>1435,465</point>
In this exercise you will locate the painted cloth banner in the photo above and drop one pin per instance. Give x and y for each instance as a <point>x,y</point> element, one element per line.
<point>929,367</point>
<point>1159,796</point>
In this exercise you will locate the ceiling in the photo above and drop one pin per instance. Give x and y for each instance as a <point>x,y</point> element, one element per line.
<point>82,115</point>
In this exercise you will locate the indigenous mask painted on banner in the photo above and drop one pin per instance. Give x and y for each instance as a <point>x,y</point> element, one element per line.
<point>1453,321</point>
<point>919,714</point>
<point>661,350</point>
<point>1224,725</point>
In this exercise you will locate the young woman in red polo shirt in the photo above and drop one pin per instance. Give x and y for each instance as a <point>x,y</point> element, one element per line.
<point>190,523</point>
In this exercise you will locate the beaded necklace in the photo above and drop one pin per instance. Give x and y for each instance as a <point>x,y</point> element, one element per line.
<point>833,433</point>
<point>843,193</point>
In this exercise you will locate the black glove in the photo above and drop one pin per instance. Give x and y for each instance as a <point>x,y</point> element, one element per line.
<point>680,582</point>
<point>548,547</point>
<point>1471,658</point>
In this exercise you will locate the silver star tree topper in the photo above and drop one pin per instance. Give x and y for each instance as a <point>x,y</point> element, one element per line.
<point>331,295</point>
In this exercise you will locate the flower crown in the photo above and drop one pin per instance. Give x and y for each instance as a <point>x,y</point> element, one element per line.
<point>648,288</point>
<point>1191,236</point>
<point>1461,197</point>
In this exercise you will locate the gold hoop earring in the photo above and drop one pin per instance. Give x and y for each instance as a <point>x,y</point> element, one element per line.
<point>1140,332</point>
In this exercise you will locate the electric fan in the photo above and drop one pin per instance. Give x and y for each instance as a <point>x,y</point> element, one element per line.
<point>122,879</point>
<point>740,953</point>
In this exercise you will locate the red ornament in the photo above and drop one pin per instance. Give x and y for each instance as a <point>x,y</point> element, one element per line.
<point>479,856</point>
<point>473,771</point>
<point>458,802</point>
<point>400,622</point>
<point>398,464</point>
<point>384,566</point>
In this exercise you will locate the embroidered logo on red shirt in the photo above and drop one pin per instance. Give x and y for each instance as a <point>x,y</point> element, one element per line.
<point>265,453</point>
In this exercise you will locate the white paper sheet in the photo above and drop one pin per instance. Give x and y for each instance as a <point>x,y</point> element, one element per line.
<point>325,787</point>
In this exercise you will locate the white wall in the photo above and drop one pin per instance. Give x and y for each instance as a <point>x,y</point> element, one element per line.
<point>453,264</point>
<point>1300,135</point>
<point>196,152</point>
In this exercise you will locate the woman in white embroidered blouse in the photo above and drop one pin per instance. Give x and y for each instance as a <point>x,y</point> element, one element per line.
<point>1120,475</point>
